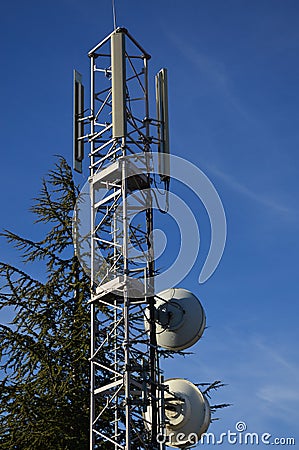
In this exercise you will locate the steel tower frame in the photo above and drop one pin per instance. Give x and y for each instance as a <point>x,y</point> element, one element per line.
<point>126,380</point>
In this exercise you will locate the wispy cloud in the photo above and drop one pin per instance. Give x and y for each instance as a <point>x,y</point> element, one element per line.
<point>257,197</point>
<point>279,392</point>
<point>261,380</point>
<point>214,72</point>
<point>276,357</point>
<point>278,395</point>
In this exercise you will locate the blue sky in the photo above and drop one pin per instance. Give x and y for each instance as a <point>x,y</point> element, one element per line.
<point>234,75</point>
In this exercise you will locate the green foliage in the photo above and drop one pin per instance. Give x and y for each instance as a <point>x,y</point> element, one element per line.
<point>44,352</point>
<point>44,368</point>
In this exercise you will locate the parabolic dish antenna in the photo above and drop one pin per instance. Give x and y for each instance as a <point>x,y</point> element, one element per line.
<point>180,319</point>
<point>187,413</point>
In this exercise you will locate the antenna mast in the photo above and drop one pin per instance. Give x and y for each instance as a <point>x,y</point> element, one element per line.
<point>127,318</point>
<point>122,285</point>
<point>114,14</point>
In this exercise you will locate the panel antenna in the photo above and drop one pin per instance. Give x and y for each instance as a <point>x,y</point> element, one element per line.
<point>78,125</point>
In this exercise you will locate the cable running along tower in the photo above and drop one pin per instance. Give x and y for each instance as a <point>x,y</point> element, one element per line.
<point>127,316</point>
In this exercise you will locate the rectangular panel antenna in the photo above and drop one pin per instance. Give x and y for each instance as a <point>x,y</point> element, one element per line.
<point>163,126</point>
<point>78,125</point>
<point>118,67</point>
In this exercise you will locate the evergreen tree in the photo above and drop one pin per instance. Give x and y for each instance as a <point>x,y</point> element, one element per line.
<point>44,386</point>
<point>44,353</point>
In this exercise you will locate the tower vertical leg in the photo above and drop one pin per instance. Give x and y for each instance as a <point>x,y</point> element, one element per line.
<point>124,358</point>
